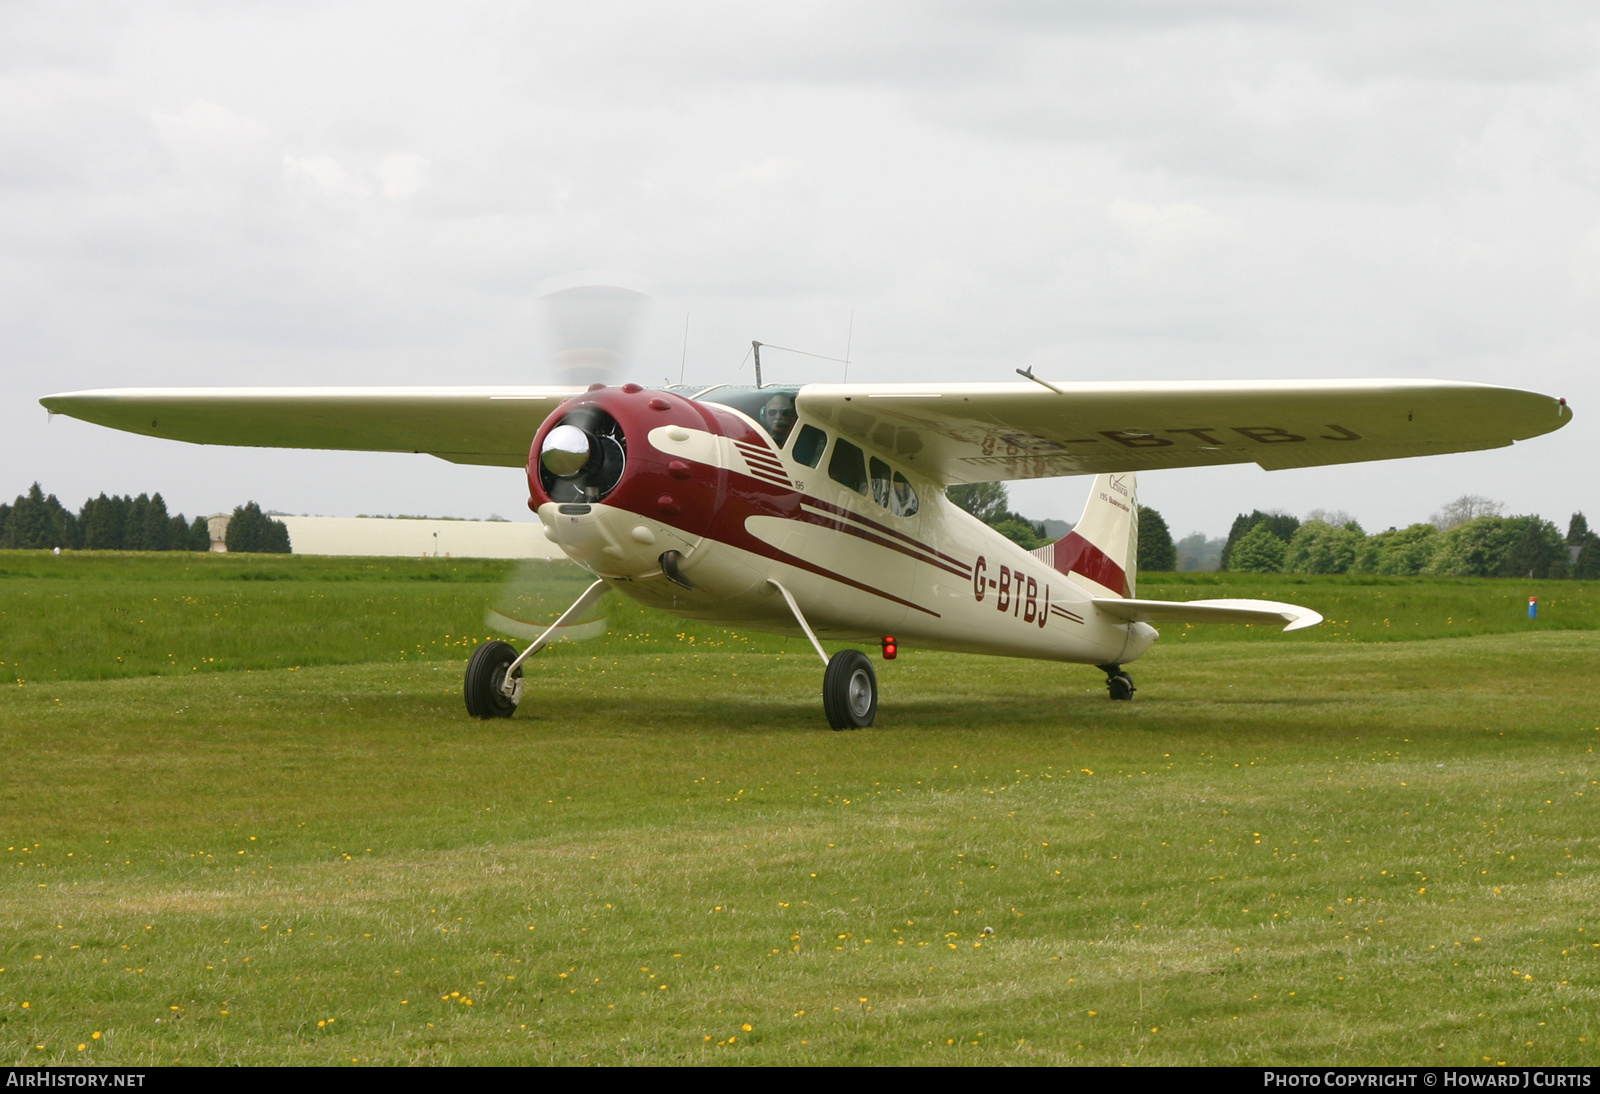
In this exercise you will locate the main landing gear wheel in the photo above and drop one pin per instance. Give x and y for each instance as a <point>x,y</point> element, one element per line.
<point>486,673</point>
<point>850,690</point>
<point>1118,683</point>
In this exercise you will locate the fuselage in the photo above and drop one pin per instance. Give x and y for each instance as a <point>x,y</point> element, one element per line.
<point>868,547</point>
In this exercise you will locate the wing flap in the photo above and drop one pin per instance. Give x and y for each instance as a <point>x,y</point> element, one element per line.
<point>988,432</point>
<point>477,425</point>
<point>1292,616</point>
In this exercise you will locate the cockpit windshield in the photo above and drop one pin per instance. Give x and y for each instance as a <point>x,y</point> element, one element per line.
<point>773,407</point>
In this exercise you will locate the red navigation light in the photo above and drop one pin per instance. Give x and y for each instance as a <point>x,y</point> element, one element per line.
<point>889,647</point>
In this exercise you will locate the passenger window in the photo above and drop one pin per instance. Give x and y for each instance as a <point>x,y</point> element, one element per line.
<point>809,444</point>
<point>880,482</point>
<point>902,499</point>
<point>848,466</point>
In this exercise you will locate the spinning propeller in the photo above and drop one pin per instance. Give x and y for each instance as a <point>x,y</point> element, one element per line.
<point>591,331</point>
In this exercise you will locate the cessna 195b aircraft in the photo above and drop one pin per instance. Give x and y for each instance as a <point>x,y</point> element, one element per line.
<point>821,511</point>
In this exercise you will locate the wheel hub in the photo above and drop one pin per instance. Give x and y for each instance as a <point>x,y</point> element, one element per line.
<point>860,693</point>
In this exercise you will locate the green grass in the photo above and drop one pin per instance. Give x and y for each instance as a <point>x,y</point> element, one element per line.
<point>1332,851</point>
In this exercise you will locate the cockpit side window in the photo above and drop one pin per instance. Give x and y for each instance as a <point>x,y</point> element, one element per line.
<point>809,444</point>
<point>880,482</point>
<point>902,498</point>
<point>848,466</point>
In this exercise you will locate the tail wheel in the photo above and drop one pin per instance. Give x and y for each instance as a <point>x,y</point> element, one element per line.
<point>1120,686</point>
<point>486,673</point>
<point>850,691</point>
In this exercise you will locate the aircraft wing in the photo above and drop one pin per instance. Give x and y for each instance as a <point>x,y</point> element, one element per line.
<point>987,432</point>
<point>481,425</point>
<point>1291,617</point>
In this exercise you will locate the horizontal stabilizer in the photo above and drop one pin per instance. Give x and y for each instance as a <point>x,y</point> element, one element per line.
<point>1209,611</point>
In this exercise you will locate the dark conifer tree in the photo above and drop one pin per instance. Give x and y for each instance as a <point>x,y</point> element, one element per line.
<point>36,521</point>
<point>1577,530</point>
<point>153,526</point>
<point>244,528</point>
<point>104,523</point>
<point>133,532</point>
<point>1532,552</point>
<point>1587,567</point>
<point>1156,550</point>
<point>275,537</point>
<point>1281,525</point>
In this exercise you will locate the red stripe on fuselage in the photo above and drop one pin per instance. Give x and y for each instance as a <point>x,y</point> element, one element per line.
<point>837,525</point>
<point>1076,555</point>
<point>817,503</point>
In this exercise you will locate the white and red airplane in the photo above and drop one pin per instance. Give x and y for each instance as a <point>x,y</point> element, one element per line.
<point>821,510</point>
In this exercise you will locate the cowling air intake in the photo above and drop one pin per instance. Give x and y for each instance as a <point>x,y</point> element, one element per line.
<point>583,456</point>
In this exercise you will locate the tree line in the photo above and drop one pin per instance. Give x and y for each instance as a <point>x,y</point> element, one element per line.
<point>38,520</point>
<point>1470,537</point>
<point>1467,538</point>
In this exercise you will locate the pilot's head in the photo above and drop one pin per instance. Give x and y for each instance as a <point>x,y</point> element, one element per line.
<point>778,416</point>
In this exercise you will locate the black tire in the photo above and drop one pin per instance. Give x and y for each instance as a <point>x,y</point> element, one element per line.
<point>1120,686</point>
<point>850,691</point>
<point>486,671</point>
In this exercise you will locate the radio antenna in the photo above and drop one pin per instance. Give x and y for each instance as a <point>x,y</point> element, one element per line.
<point>756,346</point>
<point>849,334</point>
<point>684,360</point>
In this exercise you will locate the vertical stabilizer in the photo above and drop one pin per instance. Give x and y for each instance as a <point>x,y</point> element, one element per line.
<point>1101,552</point>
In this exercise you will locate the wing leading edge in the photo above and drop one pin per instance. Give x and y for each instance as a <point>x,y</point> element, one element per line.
<point>988,432</point>
<point>477,425</point>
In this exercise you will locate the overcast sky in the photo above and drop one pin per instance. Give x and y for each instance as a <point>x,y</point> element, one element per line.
<point>308,193</point>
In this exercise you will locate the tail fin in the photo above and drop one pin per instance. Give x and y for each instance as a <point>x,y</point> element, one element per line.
<point>1101,553</point>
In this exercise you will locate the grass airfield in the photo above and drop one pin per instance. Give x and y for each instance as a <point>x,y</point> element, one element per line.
<point>247,821</point>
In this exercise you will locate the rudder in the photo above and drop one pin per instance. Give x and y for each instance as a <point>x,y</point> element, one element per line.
<point>1101,553</point>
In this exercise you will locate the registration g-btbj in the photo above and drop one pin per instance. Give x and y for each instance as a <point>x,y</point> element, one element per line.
<point>820,511</point>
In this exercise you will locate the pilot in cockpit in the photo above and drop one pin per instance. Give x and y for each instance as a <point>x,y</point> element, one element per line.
<point>778,417</point>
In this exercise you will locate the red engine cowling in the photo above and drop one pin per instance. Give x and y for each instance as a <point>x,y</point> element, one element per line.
<point>622,468</point>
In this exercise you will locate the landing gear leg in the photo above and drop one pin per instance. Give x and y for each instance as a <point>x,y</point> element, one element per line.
<point>1118,683</point>
<point>493,687</point>
<point>849,686</point>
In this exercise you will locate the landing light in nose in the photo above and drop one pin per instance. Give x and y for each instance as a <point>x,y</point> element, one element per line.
<point>566,451</point>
